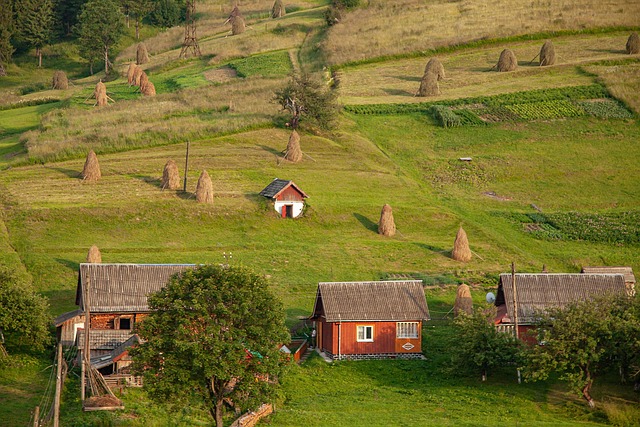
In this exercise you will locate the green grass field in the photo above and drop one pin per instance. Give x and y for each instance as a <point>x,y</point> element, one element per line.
<point>522,198</point>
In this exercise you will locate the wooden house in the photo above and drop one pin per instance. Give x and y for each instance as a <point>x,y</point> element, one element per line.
<point>287,197</point>
<point>629,277</point>
<point>536,293</point>
<point>370,320</point>
<point>116,295</point>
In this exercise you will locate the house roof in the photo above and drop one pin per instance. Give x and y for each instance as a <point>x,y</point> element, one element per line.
<point>104,339</point>
<point>626,271</point>
<point>396,300</point>
<point>123,287</point>
<point>116,354</point>
<point>277,186</point>
<point>66,316</point>
<point>539,292</point>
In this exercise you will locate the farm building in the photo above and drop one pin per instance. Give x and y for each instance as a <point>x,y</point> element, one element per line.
<point>629,277</point>
<point>370,320</point>
<point>539,292</point>
<point>117,300</point>
<point>288,198</point>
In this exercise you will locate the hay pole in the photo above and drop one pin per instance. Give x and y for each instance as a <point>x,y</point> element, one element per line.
<point>305,154</point>
<point>475,253</point>
<point>534,58</point>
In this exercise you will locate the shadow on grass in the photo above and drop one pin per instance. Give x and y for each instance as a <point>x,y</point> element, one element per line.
<point>72,265</point>
<point>398,92</point>
<point>436,249</point>
<point>71,173</point>
<point>366,222</point>
<point>273,151</point>
<point>408,78</point>
<point>613,51</point>
<point>154,182</point>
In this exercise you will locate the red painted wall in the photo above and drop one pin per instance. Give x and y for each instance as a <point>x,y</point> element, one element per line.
<point>290,195</point>
<point>384,338</point>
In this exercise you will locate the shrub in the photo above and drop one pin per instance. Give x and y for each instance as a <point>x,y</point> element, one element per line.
<point>445,116</point>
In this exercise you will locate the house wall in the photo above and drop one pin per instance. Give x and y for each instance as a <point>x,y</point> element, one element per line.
<point>384,339</point>
<point>290,194</point>
<point>66,333</point>
<point>298,207</point>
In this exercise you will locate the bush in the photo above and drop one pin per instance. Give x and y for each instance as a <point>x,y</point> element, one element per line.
<point>445,116</point>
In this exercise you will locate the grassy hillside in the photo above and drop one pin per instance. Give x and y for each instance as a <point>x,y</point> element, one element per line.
<point>532,184</point>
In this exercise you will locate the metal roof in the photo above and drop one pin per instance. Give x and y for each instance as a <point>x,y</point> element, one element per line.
<point>277,186</point>
<point>539,292</point>
<point>123,287</point>
<point>398,300</point>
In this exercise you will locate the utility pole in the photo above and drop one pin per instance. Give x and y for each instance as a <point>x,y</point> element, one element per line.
<point>186,168</point>
<point>86,355</point>
<point>36,417</point>
<point>190,39</point>
<point>515,308</point>
<point>56,401</point>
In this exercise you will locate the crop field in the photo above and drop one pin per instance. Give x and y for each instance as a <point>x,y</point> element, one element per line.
<point>538,165</point>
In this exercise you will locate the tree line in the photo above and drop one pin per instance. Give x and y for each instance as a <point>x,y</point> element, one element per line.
<point>96,25</point>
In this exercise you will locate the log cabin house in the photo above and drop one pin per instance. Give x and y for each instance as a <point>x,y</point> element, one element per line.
<point>541,291</point>
<point>370,320</point>
<point>287,197</point>
<point>117,295</point>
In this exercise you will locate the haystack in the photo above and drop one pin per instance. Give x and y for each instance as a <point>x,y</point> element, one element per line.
<point>204,189</point>
<point>136,76</point>
<point>237,25</point>
<point>461,251</point>
<point>435,66</point>
<point>91,170</point>
<point>170,176</point>
<point>60,80</point>
<point>94,256</point>
<point>144,81</point>
<point>633,44</point>
<point>142,56</point>
<point>386,225</point>
<point>278,10</point>
<point>507,61</point>
<point>429,85</point>
<point>149,89</point>
<point>100,94</point>
<point>293,153</point>
<point>131,72</point>
<point>547,54</point>
<point>463,303</point>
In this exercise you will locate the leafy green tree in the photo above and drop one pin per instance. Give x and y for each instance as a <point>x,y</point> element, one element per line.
<point>577,344</point>
<point>167,13</point>
<point>213,335</point>
<point>23,313</point>
<point>480,347</point>
<point>305,97</point>
<point>139,9</point>
<point>6,31</point>
<point>625,332</point>
<point>34,22</point>
<point>100,26</point>
<point>67,12</point>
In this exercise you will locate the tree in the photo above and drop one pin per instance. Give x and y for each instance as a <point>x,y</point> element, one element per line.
<point>34,22</point>
<point>100,27</point>
<point>577,344</point>
<point>23,313</point>
<point>67,12</point>
<point>166,13</point>
<point>304,96</point>
<point>480,346</point>
<point>6,31</point>
<point>214,335</point>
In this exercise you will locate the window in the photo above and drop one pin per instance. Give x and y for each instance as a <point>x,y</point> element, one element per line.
<point>365,334</point>
<point>407,330</point>
<point>123,322</point>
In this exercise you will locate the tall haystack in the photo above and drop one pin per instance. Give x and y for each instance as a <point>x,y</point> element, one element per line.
<point>464,303</point>
<point>204,189</point>
<point>144,81</point>
<point>386,225</point>
<point>633,44</point>
<point>60,80</point>
<point>130,73</point>
<point>142,56</point>
<point>429,85</point>
<point>149,89</point>
<point>461,251</point>
<point>91,170</point>
<point>100,94</point>
<point>170,176</point>
<point>278,10</point>
<point>547,54</point>
<point>136,76</point>
<point>94,256</point>
<point>435,66</point>
<point>293,153</point>
<point>237,25</point>
<point>507,61</point>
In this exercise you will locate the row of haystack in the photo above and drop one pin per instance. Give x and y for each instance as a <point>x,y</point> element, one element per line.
<point>137,77</point>
<point>238,25</point>
<point>434,71</point>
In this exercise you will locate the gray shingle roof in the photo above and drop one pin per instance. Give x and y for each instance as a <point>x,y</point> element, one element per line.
<point>123,287</point>
<point>104,339</point>
<point>381,300</point>
<point>539,292</point>
<point>277,186</point>
<point>627,271</point>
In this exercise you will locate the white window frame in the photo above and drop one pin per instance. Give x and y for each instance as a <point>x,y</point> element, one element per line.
<point>364,329</point>
<point>408,330</point>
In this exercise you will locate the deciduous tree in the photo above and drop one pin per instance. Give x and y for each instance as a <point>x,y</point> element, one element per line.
<point>305,97</point>
<point>101,23</point>
<point>214,335</point>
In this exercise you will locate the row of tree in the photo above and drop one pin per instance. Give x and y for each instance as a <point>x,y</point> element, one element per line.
<point>578,343</point>
<point>96,24</point>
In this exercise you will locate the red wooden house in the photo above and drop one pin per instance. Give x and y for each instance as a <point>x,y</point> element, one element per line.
<point>370,320</point>
<point>538,292</point>
<point>287,197</point>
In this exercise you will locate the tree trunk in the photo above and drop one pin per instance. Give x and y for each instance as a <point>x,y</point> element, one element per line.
<point>106,60</point>
<point>91,68</point>
<point>39,55</point>
<point>219,408</point>
<point>137,29</point>
<point>484,375</point>
<point>586,393</point>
